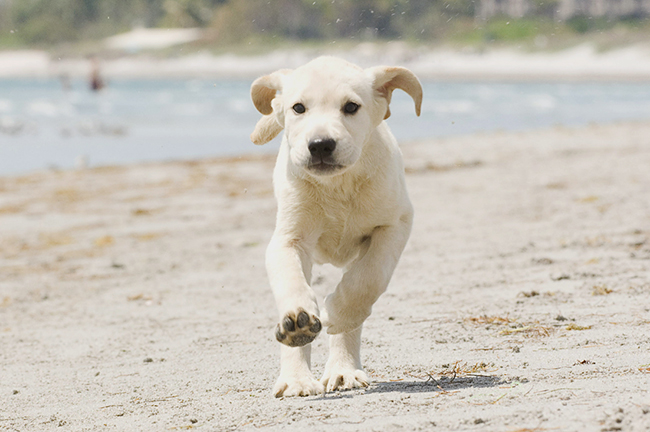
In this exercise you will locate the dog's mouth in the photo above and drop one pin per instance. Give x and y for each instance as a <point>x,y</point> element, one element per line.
<point>323,167</point>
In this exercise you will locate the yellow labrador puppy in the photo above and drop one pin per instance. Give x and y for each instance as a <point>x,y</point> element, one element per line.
<point>339,183</point>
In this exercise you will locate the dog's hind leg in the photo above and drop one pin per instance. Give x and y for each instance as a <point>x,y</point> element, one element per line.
<point>296,378</point>
<point>344,370</point>
<point>367,278</point>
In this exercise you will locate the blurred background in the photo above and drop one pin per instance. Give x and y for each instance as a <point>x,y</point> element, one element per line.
<point>97,82</point>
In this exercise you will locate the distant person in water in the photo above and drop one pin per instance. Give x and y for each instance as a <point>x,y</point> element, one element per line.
<point>96,81</point>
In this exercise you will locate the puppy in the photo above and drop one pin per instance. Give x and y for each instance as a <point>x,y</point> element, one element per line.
<point>339,184</point>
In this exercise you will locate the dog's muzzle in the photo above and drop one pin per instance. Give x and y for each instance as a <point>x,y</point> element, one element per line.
<point>322,160</point>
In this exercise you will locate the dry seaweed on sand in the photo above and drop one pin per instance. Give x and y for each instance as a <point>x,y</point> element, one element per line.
<point>449,373</point>
<point>574,326</point>
<point>599,290</point>
<point>532,330</point>
<point>528,330</point>
<point>464,369</point>
<point>484,319</point>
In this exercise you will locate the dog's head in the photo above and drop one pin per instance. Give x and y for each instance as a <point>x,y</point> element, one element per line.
<point>329,108</point>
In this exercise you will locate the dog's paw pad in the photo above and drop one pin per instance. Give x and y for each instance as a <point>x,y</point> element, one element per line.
<point>298,330</point>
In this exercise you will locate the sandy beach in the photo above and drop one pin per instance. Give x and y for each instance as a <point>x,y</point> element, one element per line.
<point>580,62</point>
<point>135,298</point>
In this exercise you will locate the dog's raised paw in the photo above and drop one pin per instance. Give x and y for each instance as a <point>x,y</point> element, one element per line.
<point>296,330</point>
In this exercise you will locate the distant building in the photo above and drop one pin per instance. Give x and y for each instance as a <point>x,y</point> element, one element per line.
<point>563,9</point>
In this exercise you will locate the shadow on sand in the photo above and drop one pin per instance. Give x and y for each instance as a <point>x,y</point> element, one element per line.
<point>430,385</point>
<point>441,384</point>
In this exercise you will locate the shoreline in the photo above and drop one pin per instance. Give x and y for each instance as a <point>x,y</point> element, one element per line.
<point>269,154</point>
<point>582,62</point>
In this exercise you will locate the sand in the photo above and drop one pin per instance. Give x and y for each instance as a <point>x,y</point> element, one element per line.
<point>144,38</point>
<point>135,298</point>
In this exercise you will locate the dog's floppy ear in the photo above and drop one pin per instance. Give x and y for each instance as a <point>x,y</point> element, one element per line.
<point>266,129</point>
<point>263,93</point>
<point>386,79</point>
<point>264,89</point>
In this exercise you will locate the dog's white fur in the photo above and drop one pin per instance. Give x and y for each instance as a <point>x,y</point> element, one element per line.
<point>353,212</point>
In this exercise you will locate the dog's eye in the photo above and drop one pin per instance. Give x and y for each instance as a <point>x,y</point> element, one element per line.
<point>350,108</point>
<point>299,108</point>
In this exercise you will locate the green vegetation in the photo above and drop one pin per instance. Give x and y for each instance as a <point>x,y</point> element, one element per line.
<point>50,23</point>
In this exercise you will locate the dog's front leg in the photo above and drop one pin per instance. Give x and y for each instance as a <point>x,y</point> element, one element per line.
<point>367,278</point>
<point>289,270</point>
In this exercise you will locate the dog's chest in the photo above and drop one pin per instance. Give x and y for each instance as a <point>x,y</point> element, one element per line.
<point>344,229</point>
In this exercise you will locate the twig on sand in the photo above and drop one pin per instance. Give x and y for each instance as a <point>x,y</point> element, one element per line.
<point>499,398</point>
<point>430,378</point>
<point>463,369</point>
<point>457,370</point>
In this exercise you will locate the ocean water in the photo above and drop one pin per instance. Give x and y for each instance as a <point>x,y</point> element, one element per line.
<point>43,125</point>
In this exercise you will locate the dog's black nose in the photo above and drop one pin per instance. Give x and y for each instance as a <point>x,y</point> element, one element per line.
<point>322,147</point>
